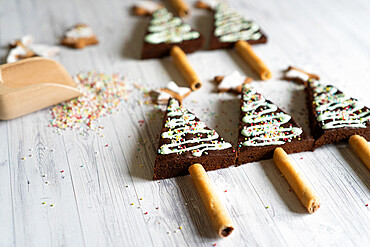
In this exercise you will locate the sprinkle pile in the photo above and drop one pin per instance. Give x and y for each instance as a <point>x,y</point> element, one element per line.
<point>101,94</point>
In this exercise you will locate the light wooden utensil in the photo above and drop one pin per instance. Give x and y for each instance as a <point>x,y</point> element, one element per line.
<point>32,84</point>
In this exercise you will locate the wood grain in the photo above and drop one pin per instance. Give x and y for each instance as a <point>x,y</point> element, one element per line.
<point>92,198</point>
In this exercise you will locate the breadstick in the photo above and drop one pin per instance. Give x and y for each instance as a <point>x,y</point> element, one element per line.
<point>245,51</point>
<point>185,68</point>
<point>215,208</point>
<point>303,190</point>
<point>361,148</point>
<point>180,7</point>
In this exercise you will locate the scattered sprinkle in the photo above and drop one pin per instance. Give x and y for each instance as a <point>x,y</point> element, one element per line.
<point>157,208</point>
<point>51,205</point>
<point>132,203</point>
<point>141,199</point>
<point>225,190</point>
<point>43,202</point>
<point>146,212</point>
<point>267,207</point>
<point>180,227</point>
<point>101,95</point>
<point>62,171</point>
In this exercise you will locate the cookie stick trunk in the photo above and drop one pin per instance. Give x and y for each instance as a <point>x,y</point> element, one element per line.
<point>361,148</point>
<point>182,64</point>
<point>215,208</point>
<point>303,190</point>
<point>245,51</point>
<point>181,8</point>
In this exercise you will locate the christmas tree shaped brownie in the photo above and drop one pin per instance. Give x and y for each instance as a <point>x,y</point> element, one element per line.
<point>230,27</point>
<point>333,115</point>
<point>185,140</point>
<point>166,31</point>
<point>264,127</point>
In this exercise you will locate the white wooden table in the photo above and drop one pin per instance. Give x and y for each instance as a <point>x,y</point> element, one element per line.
<point>92,198</point>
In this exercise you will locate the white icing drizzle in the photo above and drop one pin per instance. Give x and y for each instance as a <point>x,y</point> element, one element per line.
<point>232,81</point>
<point>79,31</point>
<point>186,124</point>
<point>230,26</point>
<point>265,123</point>
<point>149,6</point>
<point>166,28</point>
<point>336,110</point>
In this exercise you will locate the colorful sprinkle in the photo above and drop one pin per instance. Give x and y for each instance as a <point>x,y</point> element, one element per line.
<point>101,95</point>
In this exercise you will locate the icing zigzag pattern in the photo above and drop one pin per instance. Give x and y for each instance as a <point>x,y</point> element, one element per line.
<point>180,124</point>
<point>336,110</point>
<point>265,123</point>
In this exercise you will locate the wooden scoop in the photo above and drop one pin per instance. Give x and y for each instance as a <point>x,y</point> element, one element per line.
<point>32,84</point>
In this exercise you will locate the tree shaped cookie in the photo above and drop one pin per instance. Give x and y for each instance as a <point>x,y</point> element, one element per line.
<point>263,127</point>
<point>166,31</point>
<point>230,27</point>
<point>185,140</point>
<point>333,115</point>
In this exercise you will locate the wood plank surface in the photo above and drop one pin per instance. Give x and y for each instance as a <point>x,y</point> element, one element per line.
<point>105,195</point>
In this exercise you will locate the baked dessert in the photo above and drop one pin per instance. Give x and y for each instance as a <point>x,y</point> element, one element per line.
<point>166,31</point>
<point>230,27</point>
<point>185,140</point>
<point>172,90</point>
<point>263,127</point>
<point>25,48</point>
<point>145,8</point>
<point>232,82</point>
<point>79,36</point>
<point>333,115</point>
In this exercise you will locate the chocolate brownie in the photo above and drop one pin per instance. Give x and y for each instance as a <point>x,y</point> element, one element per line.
<point>166,31</point>
<point>263,127</point>
<point>185,140</point>
<point>333,115</point>
<point>230,27</point>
